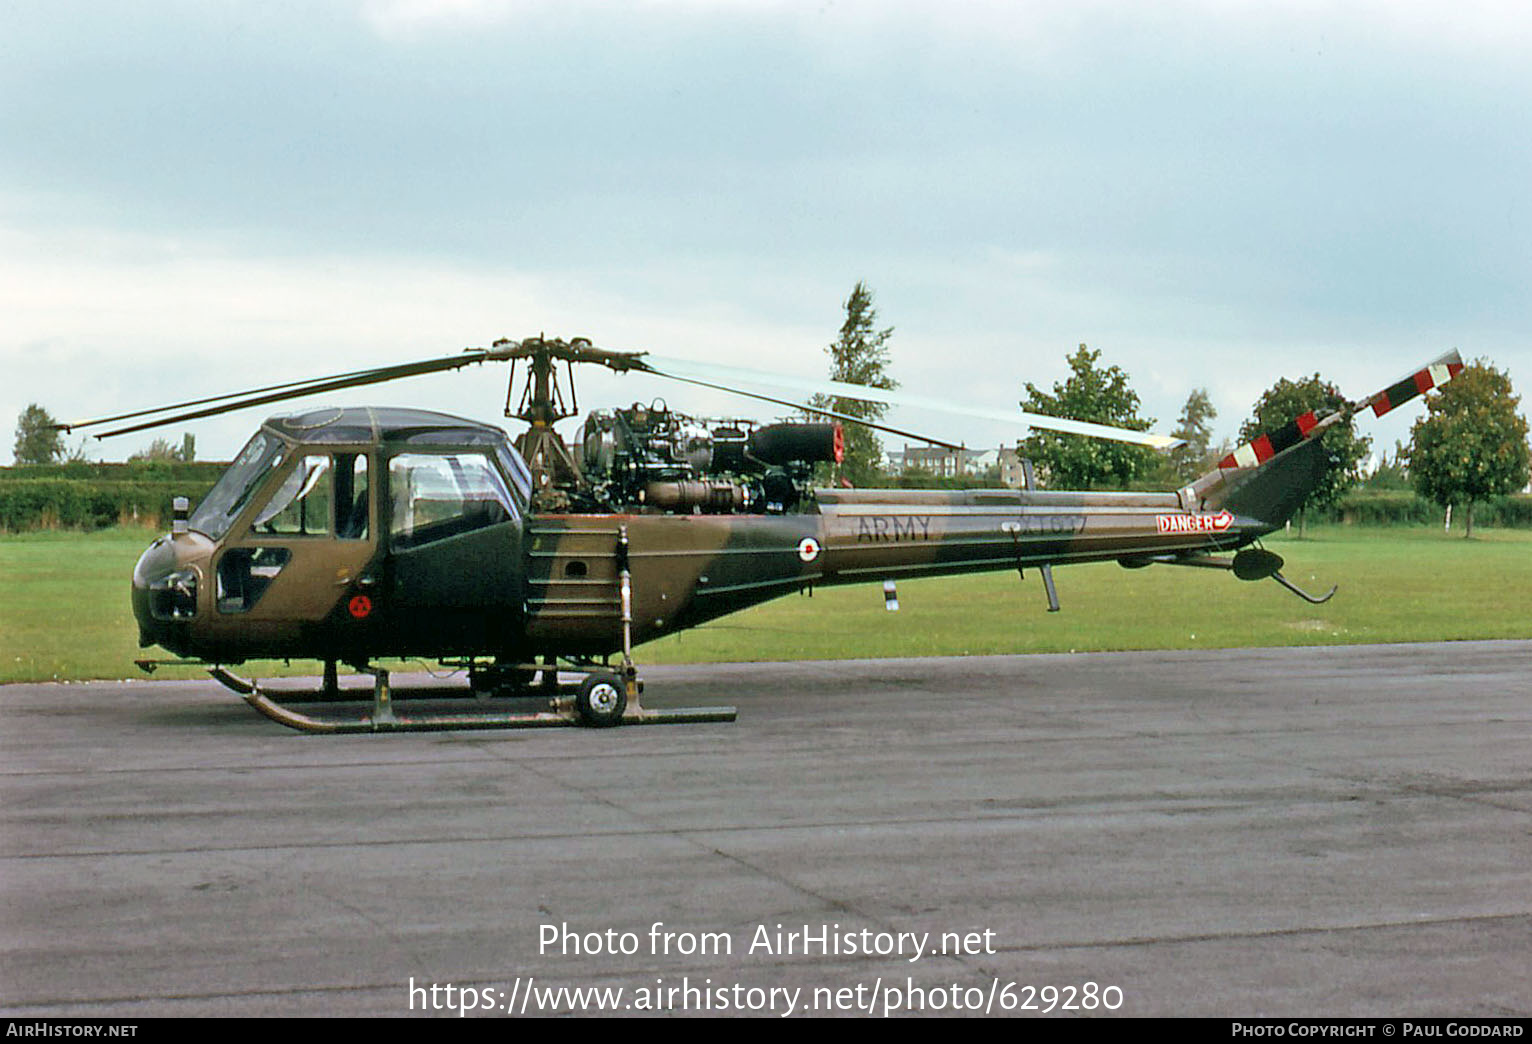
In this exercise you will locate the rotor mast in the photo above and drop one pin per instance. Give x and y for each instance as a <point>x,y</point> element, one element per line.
<point>553,469</point>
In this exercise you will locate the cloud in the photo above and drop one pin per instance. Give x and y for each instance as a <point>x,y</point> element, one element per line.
<point>98,323</point>
<point>1214,193</point>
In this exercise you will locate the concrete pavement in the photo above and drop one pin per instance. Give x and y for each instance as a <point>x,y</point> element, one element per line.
<point>1323,831</point>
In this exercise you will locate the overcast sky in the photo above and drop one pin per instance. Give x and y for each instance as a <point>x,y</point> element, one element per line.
<point>200,196</point>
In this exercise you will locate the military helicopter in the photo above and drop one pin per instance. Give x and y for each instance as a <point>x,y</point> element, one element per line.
<point>351,535</point>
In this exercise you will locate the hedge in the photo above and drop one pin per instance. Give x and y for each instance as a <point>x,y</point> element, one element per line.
<point>199,471</point>
<point>98,495</point>
<point>1403,507</point>
<point>61,503</point>
<point>1383,508</point>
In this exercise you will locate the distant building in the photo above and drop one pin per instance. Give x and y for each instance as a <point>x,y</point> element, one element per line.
<point>1010,468</point>
<point>938,460</point>
<point>941,462</point>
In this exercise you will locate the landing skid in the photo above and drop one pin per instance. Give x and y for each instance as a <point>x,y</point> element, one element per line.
<point>580,705</point>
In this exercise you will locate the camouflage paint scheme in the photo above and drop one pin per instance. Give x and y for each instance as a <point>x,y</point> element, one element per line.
<point>547,584</point>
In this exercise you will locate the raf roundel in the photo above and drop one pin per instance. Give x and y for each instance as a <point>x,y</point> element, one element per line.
<point>808,549</point>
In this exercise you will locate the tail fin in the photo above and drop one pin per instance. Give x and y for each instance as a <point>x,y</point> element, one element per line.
<point>1268,477</point>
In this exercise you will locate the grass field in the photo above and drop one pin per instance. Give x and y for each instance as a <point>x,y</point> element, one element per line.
<point>64,611</point>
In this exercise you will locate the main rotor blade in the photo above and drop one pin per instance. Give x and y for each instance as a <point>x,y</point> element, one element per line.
<point>577,350</point>
<point>843,417</point>
<point>296,389</point>
<point>677,368</point>
<point>72,425</point>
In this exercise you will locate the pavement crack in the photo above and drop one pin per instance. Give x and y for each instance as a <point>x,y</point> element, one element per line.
<point>1268,933</point>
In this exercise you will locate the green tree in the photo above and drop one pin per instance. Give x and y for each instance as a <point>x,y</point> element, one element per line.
<point>1391,473</point>
<point>1195,429</point>
<point>859,356</point>
<point>1471,444</point>
<point>36,442</point>
<point>1286,401</point>
<point>165,450</point>
<point>1091,393</point>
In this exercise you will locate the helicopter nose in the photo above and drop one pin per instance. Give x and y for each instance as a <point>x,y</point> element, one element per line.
<point>164,595</point>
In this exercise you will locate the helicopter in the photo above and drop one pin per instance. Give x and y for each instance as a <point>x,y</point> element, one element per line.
<point>353,535</point>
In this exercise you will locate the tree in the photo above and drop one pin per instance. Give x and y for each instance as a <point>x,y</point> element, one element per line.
<point>36,442</point>
<point>1391,474</point>
<point>859,356</point>
<point>1286,401</point>
<point>1090,394</point>
<point>1195,429</point>
<point>164,450</point>
<point>1471,444</point>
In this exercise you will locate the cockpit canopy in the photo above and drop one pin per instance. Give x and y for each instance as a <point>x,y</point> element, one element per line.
<point>327,491</point>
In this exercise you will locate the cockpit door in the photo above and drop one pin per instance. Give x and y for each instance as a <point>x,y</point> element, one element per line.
<point>306,548</point>
<point>455,553</point>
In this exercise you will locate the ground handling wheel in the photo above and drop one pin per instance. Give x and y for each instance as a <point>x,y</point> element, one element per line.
<point>601,700</point>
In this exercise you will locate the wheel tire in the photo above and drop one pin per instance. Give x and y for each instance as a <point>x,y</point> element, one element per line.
<point>601,700</point>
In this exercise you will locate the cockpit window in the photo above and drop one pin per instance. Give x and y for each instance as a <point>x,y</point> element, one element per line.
<point>515,467</point>
<point>325,494</point>
<point>351,510</point>
<point>228,497</point>
<point>301,505</point>
<point>437,495</point>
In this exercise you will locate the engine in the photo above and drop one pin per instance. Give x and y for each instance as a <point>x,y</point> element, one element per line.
<point>650,458</point>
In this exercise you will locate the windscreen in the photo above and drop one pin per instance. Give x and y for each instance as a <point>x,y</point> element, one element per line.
<point>224,501</point>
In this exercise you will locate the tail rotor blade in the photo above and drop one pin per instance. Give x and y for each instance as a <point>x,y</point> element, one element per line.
<point>1432,375</point>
